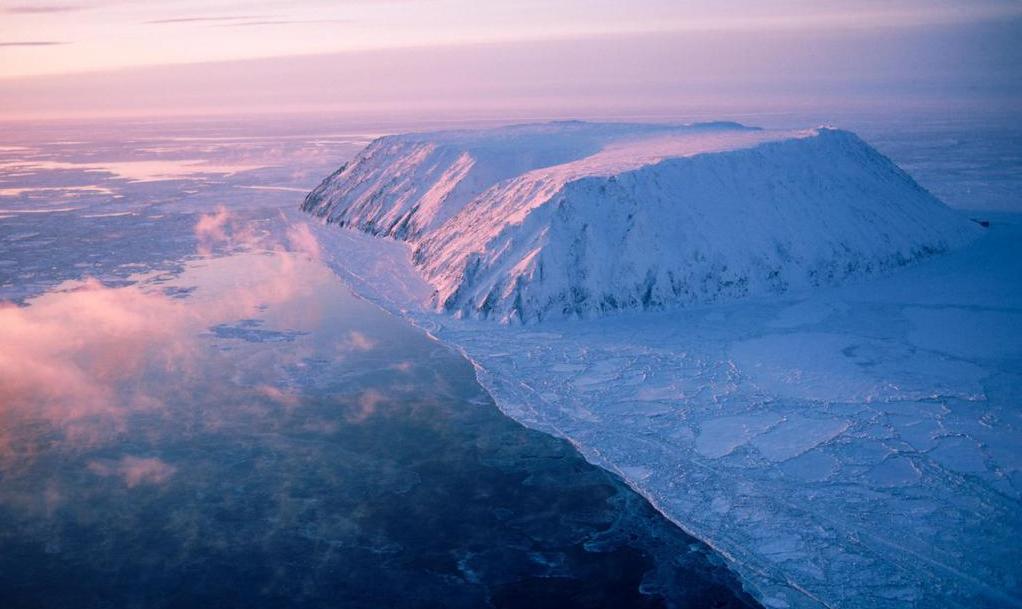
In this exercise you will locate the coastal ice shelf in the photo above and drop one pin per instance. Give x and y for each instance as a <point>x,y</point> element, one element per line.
<point>845,431</point>
<point>578,219</point>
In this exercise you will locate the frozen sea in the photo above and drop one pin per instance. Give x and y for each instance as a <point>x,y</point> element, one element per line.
<point>271,429</point>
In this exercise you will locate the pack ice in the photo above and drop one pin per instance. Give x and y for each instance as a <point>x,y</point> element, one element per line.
<point>726,317</point>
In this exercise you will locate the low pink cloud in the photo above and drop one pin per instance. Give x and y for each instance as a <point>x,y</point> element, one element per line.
<point>365,406</point>
<point>76,357</point>
<point>287,399</point>
<point>301,239</point>
<point>134,471</point>
<point>223,229</point>
<point>358,341</point>
<point>66,355</point>
<point>405,366</point>
<point>213,226</point>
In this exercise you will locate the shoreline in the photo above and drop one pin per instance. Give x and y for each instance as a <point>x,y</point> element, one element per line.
<point>373,267</point>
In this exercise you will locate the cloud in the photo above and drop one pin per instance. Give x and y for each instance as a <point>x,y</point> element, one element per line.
<point>359,342</point>
<point>32,43</point>
<point>224,229</point>
<point>66,355</point>
<point>405,366</point>
<point>41,9</point>
<point>85,358</point>
<point>301,239</point>
<point>221,229</point>
<point>212,227</point>
<point>353,342</point>
<point>288,399</point>
<point>239,20</point>
<point>134,471</point>
<point>201,19</point>
<point>282,22</point>
<point>365,406</point>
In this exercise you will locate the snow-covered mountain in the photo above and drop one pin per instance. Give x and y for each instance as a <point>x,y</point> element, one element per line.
<point>579,219</point>
<point>404,185</point>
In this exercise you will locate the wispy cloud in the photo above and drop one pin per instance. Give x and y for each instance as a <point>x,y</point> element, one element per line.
<point>201,19</point>
<point>75,358</point>
<point>301,239</point>
<point>31,43</point>
<point>41,9</point>
<point>221,229</point>
<point>282,22</point>
<point>358,341</point>
<point>134,470</point>
<point>365,406</point>
<point>231,21</point>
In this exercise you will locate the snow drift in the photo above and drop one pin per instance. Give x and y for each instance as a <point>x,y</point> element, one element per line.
<point>578,219</point>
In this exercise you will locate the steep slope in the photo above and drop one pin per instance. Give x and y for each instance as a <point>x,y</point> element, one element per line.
<point>637,217</point>
<point>404,185</point>
<point>811,210</point>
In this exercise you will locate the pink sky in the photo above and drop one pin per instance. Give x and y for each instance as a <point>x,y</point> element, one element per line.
<point>115,57</point>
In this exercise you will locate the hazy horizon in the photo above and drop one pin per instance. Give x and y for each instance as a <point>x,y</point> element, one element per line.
<point>654,59</point>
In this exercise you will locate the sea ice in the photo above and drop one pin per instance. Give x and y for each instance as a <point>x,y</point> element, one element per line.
<point>844,446</point>
<point>832,498</point>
